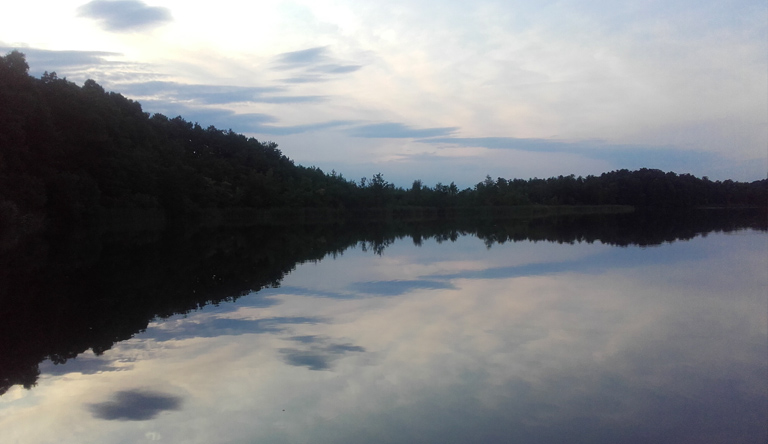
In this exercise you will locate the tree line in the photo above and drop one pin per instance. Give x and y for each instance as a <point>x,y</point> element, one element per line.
<point>69,152</point>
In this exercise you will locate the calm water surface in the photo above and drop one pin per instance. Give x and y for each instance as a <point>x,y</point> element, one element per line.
<point>530,342</point>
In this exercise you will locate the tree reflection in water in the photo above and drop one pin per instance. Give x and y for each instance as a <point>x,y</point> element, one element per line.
<point>62,296</point>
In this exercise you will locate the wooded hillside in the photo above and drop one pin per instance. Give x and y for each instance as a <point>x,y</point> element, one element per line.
<point>68,152</point>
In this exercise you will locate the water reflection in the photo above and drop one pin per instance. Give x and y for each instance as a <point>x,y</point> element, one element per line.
<point>175,330</point>
<point>397,287</point>
<point>318,352</point>
<point>447,342</point>
<point>135,405</point>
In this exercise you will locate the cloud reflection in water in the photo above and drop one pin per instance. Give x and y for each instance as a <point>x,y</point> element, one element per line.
<point>534,343</point>
<point>319,355</point>
<point>135,405</point>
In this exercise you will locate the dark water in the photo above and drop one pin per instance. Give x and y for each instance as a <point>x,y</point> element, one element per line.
<point>633,328</point>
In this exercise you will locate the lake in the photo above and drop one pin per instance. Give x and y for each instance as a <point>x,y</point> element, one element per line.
<point>582,330</point>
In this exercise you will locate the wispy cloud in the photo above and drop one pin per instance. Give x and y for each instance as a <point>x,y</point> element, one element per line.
<point>333,68</point>
<point>308,78</point>
<point>213,94</point>
<point>398,130</point>
<point>316,65</point>
<point>297,129</point>
<point>125,15</point>
<point>51,60</point>
<point>622,156</point>
<point>245,122</point>
<point>110,69</point>
<point>305,57</point>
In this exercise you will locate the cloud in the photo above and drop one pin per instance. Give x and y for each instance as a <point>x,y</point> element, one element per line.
<point>622,156</point>
<point>213,94</point>
<point>206,116</point>
<point>296,129</point>
<point>242,123</point>
<point>336,68</point>
<point>125,15</point>
<point>50,60</point>
<point>304,57</point>
<point>290,99</point>
<point>135,405</point>
<point>398,130</point>
<point>110,69</point>
<point>309,78</point>
<point>316,63</point>
<point>208,94</point>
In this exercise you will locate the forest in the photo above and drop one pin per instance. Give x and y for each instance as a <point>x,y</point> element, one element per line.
<point>70,153</point>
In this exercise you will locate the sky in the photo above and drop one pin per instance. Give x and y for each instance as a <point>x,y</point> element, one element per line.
<point>440,91</point>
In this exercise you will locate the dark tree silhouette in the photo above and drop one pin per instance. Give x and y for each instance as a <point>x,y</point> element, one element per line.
<point>72,154</point>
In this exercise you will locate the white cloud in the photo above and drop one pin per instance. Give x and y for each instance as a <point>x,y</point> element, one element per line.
<point>125,15</point>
